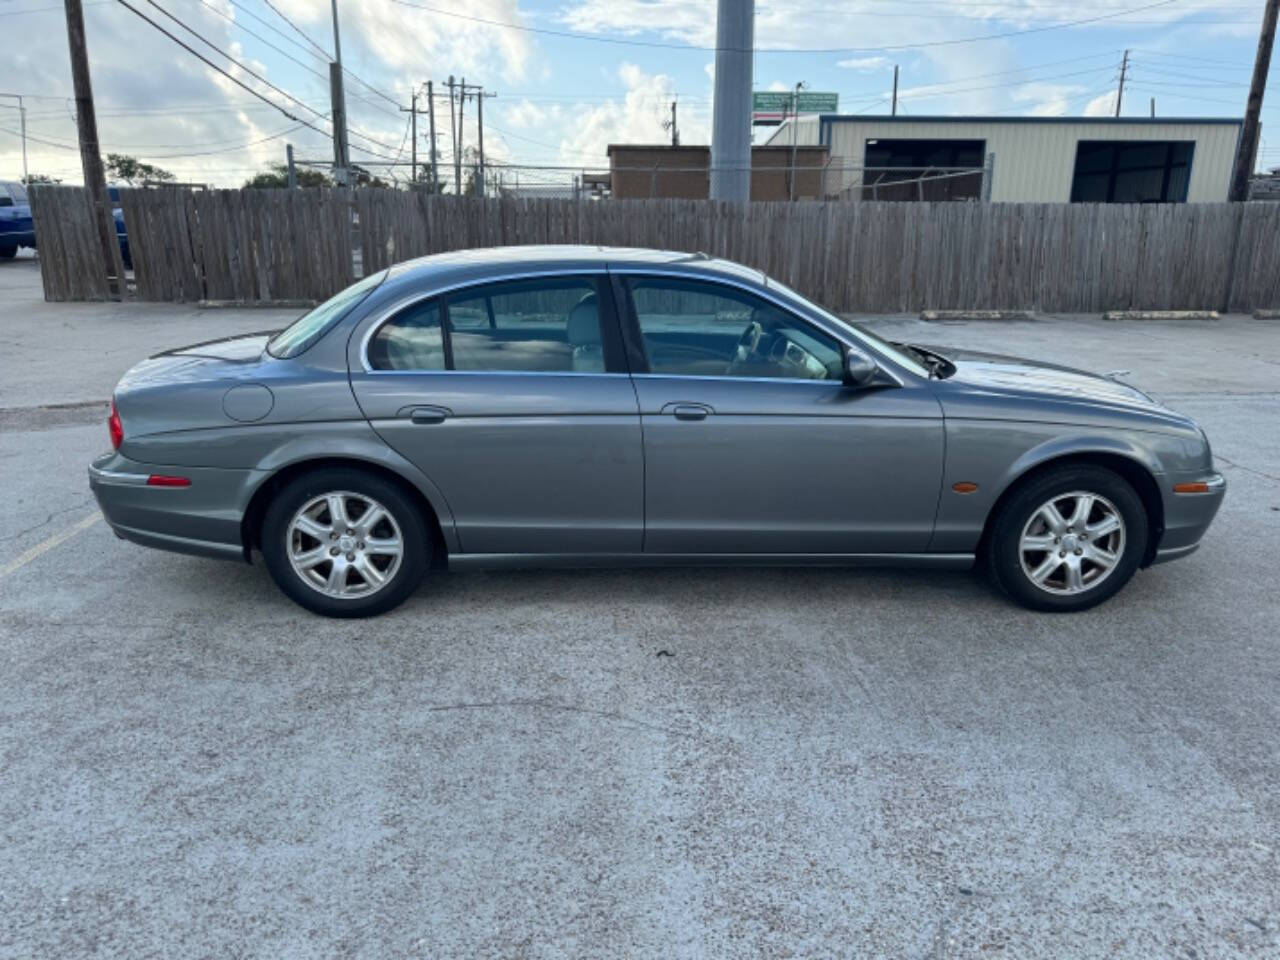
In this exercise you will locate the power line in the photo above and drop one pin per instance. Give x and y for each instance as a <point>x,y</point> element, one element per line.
<point>779,50</point>
<point>234,79</point>
<point>291,116</point>
<point>214,47</point>
<point>276,10</point>
<point>321,55</point>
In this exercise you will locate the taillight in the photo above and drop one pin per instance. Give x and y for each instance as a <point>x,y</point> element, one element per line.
<point>115,427</point>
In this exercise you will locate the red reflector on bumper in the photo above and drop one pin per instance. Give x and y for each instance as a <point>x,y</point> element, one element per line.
<point>160,480</point>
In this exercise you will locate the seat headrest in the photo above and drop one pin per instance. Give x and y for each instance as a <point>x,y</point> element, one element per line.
<point>583,326</point>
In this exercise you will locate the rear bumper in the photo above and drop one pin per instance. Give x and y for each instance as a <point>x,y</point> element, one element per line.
<point>203,519</point>
<point>18,238</point>
<point>1188,515</point>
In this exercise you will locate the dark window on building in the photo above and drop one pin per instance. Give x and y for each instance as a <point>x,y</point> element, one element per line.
<point>1132,171</point>
<point>894,169</point>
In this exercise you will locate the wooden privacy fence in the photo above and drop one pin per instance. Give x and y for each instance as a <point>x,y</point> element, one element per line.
<point>851,256</point>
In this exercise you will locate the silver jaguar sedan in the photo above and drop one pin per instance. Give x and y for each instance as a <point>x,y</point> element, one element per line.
<point>588,406</point>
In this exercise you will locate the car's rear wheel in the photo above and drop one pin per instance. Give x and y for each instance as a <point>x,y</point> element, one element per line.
<point>8,251</point>
<point>345,543</point>
<point>1068,538</point>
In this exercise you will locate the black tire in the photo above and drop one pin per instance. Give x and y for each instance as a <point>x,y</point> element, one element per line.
<point>1005,559</point>
<point>405,514</point>
<point>7,251</point>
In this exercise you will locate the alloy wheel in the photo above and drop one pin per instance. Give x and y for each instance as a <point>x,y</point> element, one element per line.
<point>1072,543</point>
<point>344,545</point>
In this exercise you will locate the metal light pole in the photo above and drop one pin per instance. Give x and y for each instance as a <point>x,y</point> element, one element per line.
<point>731,111</point>
<point>22,123</point>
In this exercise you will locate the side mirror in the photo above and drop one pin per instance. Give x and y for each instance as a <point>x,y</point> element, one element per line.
<point>859,369</point>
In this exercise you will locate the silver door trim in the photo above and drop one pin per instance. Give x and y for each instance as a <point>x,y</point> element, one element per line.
<point>489,561</point>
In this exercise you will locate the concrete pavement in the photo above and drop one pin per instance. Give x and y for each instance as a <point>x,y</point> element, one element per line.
<point>688,763</point>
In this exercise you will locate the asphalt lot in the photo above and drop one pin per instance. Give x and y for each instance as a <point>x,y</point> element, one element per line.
<point>689,763</point>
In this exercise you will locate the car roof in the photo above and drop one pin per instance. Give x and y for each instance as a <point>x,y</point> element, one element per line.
<point>462,264</point>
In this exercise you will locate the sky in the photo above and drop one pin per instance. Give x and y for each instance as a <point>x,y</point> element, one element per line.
<point>572,76</point>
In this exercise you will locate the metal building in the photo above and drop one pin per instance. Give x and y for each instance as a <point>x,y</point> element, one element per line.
<point>1029,159</point>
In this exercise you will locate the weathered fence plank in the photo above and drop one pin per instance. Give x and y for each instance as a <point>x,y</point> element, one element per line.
<point>871,256</point>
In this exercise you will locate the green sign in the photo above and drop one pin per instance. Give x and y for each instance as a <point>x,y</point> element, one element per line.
<point>772,106</point>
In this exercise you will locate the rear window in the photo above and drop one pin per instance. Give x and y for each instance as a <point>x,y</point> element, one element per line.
<point>18,191</point>
<point>310,327</point>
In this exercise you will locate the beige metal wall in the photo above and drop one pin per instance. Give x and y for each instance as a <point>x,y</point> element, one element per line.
<point>1035,161</point>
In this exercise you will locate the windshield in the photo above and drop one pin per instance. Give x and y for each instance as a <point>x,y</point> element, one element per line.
<point>881,345</point>
<point>310,327</point>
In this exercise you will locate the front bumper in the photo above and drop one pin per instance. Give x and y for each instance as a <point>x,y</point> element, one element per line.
<point>203,519</point>
<point>1188,515</point>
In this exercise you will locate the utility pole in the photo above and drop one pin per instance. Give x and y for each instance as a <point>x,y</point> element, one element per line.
<point>431,120</point>
<point>453,133</point>
<point>1153,108</point>
<point>672,126</point>
<point>22,124</point>
<point>480,135</point>
<point>413,136</point>
<point>341,157</point>
<point>795,132</point>
<point>462,136</point>
<point>894,111</point>
<point>731,110</point>
<point>1124,69</point>
<point>95,180</point>
<point>293,170</point>
<point>1248,146</point>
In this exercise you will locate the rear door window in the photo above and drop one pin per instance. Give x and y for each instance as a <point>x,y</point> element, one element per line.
<point>540,325</point>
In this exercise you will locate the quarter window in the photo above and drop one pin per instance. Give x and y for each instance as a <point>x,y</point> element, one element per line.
<point>692,328</point>
<point>549,325</point>
<point>411,340</point>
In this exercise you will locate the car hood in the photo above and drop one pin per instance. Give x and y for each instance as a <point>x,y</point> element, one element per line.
<point>1015,376</point>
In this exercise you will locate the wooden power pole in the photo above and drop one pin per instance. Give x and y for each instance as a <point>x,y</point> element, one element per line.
<point>95,179</point>
<point>413,138</point>
<point>1248,146</point>
<point>1124,69</point>
<point>431,130</point>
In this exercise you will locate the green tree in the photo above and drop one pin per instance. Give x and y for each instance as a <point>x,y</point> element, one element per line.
<point>132,171</point>
<point>277,177</point>
<point>39,178</point>
<point>424,182</point>
<point>360,177</point>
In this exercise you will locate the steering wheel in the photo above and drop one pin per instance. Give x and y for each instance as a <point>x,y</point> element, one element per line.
<point>747,345</point>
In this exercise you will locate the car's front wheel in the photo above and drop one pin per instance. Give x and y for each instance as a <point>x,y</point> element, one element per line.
<point>1068,539</point>
<point>345,543</point>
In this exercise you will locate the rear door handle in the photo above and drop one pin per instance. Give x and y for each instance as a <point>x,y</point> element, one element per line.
<point>428,415</point>
<point>689,411</point>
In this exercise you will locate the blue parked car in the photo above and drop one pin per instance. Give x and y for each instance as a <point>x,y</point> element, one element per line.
<point>18,230</point>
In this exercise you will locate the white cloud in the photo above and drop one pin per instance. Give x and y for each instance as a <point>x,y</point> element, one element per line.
<point>865,64</point>
<point>156,101</point>
<point>1103,106</point>
<point>637,118</point>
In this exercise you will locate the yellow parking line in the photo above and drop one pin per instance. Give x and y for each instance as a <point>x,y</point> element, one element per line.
<point>46,545</point>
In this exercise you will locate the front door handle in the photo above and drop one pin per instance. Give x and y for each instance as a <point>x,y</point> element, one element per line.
<point>428,415</point>
<point>690,411</point>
